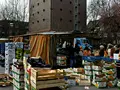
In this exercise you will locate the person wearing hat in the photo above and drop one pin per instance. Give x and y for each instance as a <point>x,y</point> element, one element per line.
<point>101,53</point>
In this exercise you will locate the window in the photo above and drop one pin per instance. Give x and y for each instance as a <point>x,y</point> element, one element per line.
<point>38,4</point>
<point>78,21</point>
<point>32,22</point>
<point>43,10</point>
<point>11,24</point>
<point>43,0</point>
<point>60,9</point>
<point>70,12</point>
<point>78,4</point>
<point>43,19</point>
<point>61,19</point>
<point>37,21</point>
<point>61,0</point>
<point>51,8</point>
<point>70,2</point>
<point>33,14</point>
<point>70,20</point>
<point>75,16</point>
<point>33,6</point>
<point>38,12</point>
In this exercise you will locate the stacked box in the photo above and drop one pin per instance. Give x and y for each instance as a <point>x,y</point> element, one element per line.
<point>42,78</point>
<point>27,74</point>
<point>88,70</point>
<point>26,46</point>
<point>111,73</point>
<point>18,76</point>
<point>9,56</point>
<point>19,50</point>
<point>99,79</point>
<point>61,60</point>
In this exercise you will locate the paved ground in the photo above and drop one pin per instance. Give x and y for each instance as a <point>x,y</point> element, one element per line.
<point>73,88</point>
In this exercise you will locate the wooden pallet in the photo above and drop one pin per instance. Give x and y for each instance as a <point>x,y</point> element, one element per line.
<point>5,83</point>
<point>46,78</point>
<point>46,74</point>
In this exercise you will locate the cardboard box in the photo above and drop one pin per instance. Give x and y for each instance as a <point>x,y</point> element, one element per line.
<point>18,77</point>
<point>9,45</point>
<point>88,77</point>
<point>87,63</point>
<point>18,84</point>
<point>98,68</point>
<point>110,71</point>
<point>87,67</point>
<point>100,78</point>
<point>17,71</point>
<point>100,84</point>
<point>88,72</point>
<point>112,83</point>
<point>112,65</point>
<point>71,82</point>
<point>112,77</point>
<point>97,72</point>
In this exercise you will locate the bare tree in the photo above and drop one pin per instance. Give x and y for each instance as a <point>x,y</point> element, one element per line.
<point>111,21</point>
<point>14,10</point>
<point>107,12</point>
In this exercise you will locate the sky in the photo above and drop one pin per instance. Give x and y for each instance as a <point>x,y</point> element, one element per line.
<point>2,1</point>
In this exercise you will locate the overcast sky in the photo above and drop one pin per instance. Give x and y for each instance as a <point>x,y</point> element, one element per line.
<point>2,1</point>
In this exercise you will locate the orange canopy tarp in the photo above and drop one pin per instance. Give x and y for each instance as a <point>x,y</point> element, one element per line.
<point>39,46</point>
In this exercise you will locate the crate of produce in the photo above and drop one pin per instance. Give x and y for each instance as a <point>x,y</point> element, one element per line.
<point>88,77</point>
<point>18,84</point>
<point>100,78</point>
<point>46,74</point>
<point>46,78</point>
<point>5,80</point>
<point>110,65</point>
<point>86,62</point>
<point>112,83</point>
<point>18,69</point>
<point>18,77</point>
<point>109,71</point>
<point>100,84</point>
<point>61,60</point>
<point>96,68</point>
<point>16,88</point>
<point>97,72</point>
<point>112,76</point>
<point>88,72</point>
<point>88,67</point>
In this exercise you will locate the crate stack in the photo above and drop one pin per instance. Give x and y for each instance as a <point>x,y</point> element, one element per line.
<point>99,78</point>
<point>18,68</point>
<point>42,78</point>
<point>9,56</point>
<point>111,73</point>
<point>18,76</point>
<point>26,54</point>
<point>61,60</point>
<point>27,74</point>
<point>26,47</point>
<point>88,70</point>
<point>19,51</point>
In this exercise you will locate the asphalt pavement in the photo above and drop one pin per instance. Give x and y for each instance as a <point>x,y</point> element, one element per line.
<point>72,88</point>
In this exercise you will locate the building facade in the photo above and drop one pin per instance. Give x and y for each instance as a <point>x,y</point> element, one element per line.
<point>80,15</point>
<point>55,15</point>
<point>11,28</point>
